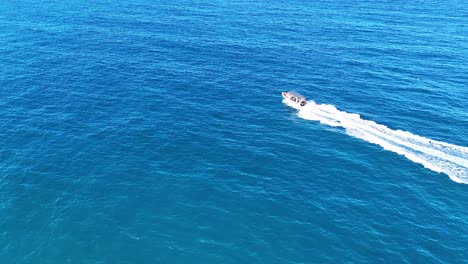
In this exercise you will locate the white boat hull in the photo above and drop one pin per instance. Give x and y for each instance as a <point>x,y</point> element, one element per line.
<point>294,101</point>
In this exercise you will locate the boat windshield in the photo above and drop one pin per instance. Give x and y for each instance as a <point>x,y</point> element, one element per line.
<point>296,95</point>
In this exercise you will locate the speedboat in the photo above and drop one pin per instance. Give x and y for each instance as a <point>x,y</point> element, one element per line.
<point>295,97</point>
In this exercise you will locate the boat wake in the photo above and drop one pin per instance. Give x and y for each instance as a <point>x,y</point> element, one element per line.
<point>434,155</point>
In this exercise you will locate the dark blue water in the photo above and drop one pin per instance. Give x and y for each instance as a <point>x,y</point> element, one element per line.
<point>154,132</point>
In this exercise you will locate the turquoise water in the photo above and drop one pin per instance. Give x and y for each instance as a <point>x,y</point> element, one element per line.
<point>155,132</point>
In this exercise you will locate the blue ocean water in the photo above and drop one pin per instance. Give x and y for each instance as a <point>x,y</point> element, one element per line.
<point>155,132</point>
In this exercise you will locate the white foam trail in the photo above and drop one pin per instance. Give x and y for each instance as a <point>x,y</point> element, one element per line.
<point>435,155</point>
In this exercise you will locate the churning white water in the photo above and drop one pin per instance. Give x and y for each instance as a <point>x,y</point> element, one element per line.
<point>435,155</point>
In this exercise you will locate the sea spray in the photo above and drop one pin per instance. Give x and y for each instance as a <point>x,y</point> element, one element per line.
<point>435,155</point>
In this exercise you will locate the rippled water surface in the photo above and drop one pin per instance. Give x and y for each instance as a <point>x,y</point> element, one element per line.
<point>155,132</point>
